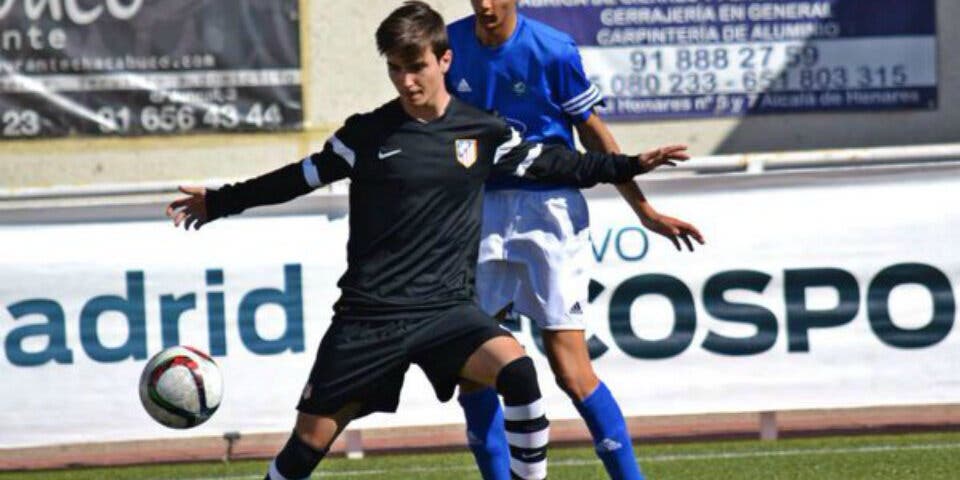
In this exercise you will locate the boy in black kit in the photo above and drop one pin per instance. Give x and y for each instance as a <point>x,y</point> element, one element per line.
<point>417,166</point>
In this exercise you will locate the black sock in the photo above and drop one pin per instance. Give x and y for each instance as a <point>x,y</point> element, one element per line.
<point>295,461</point>
<point>525,421</point>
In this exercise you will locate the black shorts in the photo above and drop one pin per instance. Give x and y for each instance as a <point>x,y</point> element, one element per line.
<point>365,360</point>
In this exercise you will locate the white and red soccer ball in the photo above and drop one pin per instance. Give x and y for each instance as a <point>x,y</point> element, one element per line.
<point>181,387</point>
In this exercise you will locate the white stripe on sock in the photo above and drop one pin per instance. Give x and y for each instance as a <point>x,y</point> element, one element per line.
<point>538,439</point>
<point>275,474</point>
<point>529,471</point>
<point>529,411</point>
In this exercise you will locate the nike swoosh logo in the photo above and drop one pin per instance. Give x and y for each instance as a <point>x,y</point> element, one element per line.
<point>528,456</point>
<point>381,154</point>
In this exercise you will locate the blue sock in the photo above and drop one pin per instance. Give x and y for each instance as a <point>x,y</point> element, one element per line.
<point>610,435</point>
<point>486,434</point>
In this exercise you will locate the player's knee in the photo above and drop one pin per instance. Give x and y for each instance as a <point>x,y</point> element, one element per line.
<point>517,381</point>
<point>577,385</point>
<point>312,437</point>
<point>468,387</point>
<point>317,431</point>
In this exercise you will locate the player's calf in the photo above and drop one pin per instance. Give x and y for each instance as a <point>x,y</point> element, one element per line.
<point>524,419</point>
<point>309,443</point>
<point>485,434</point>
<point>611,438</point>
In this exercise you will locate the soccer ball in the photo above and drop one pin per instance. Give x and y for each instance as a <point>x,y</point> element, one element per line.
<point>181,387</point>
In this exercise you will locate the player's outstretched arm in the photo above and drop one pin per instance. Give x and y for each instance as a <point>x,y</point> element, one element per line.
<point>190,211</point>
<point>558,165</point>
<point>673,229</point>
<point>595,136</point>
<point>202,205</point>
<point>660,156</point>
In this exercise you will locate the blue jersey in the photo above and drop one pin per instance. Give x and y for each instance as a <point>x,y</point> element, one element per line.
<point>535,81</point>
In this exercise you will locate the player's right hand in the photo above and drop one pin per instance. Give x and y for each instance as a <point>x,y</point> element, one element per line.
<point>191,211</point>
<point>667,155</point>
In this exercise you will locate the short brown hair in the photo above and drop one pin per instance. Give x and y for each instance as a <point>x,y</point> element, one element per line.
<point>410,28</point>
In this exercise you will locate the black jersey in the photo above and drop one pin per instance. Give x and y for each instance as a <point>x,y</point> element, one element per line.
<point>416,193</point>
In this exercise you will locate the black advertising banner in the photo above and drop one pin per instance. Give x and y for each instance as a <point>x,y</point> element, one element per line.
<point>139,67</point>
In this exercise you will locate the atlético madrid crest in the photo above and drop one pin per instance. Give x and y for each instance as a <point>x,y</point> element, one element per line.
<point>467,151</point>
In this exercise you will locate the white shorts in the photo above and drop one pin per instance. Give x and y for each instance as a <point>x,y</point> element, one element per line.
<point>535,252</point>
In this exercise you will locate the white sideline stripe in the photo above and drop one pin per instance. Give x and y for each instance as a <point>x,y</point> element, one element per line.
<point>650,458</point>
<point>800,452</point>
<point>343,150</point>
<point>529,411</point>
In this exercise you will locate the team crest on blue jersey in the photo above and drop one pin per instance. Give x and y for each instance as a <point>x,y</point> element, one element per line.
<point>466,151</point>
<point>519,88</point>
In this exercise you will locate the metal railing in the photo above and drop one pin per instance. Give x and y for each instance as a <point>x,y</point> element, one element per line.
<point>751,163</point>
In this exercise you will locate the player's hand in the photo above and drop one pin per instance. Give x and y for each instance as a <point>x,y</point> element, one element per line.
<point>191,211</point>
<point>674,229</point>
<point>667,155</point>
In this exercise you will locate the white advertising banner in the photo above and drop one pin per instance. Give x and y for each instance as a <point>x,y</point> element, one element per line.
<point>815,290</point>
<point>690,58</point>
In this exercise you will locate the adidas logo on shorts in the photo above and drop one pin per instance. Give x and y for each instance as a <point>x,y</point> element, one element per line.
<point>576,309</point>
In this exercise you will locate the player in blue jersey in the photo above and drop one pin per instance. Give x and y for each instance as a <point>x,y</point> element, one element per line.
<point>535,248</point>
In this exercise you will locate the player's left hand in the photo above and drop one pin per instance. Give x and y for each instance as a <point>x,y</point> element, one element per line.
<point>191,211</point>
<point>674,229</point>
<point>666,155</point>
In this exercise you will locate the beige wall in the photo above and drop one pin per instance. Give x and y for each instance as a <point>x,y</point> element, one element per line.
<point>345,75</point>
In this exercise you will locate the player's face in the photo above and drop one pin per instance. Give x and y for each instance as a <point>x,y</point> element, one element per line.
<point>419,81</point>
<point>494,14</point>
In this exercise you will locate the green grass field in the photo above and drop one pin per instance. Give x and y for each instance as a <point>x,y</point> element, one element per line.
<point>893,457</point>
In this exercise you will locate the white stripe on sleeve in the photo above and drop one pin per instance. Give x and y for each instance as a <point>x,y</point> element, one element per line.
<point>310,173</point>
<point>579,98</point>
<point>507,146</point>
<point>531,156</point>
<point>586,100</point>
<point>343,150</point>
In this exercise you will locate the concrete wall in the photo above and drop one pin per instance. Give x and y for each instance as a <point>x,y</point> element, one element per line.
<point>347,75</point>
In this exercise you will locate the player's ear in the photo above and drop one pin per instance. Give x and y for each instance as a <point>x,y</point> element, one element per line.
<point>445,60</point>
